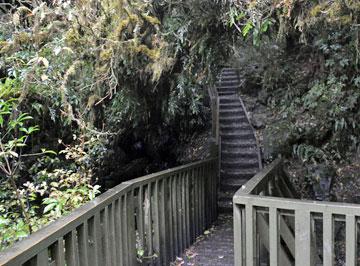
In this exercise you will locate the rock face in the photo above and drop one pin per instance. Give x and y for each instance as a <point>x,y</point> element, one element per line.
<point>240,159</point>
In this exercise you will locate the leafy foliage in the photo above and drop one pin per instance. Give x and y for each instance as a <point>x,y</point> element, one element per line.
<point>92,73</point>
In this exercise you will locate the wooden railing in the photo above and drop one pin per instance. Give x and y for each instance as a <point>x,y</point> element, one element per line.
<point>215,111</point>
<point>147,221</point>
<point>272,230</point>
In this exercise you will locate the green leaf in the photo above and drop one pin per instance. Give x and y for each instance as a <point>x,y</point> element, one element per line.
<point>49,207</point>
<point>247,28</point>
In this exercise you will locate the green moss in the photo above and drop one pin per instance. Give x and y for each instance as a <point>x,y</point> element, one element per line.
<point>153,54</point>
<point>72,38</point>
<point>151,20</point>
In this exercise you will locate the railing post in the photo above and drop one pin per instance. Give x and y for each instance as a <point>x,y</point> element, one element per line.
<point>238,236</point>
<point>302,238</point>
<point>249,234</point>
<point>351,242</point>
<point>273,236</point>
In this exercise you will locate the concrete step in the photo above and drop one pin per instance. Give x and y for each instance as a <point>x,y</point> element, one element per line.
<point>235,153</point>
<point>238,174</point>
<point>244,135</point>
<point>239,164</point>
<point>239,144</point>
<point>226,93</point>
<point>227,87</point>
<point>228,83</point>
<point>229,70</point>
<point>232,119</point>
<point>230,99</point>
<point>228,77</point>
<point>226,195</point>
<point>225,206</point>
<point>242,127</point>
<point>233,182</point>
<point>233,126</point>
<point>231,105</point>
<point>224,114</point>
<point>236,109</point>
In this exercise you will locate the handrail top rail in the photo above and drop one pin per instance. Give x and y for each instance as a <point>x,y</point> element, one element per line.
<point>245,195</point>
<point>41,239</point>
<point>260,177</point>
<point>339,208</point>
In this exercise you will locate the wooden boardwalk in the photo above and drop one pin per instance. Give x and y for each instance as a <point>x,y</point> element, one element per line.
<point>214,248</point>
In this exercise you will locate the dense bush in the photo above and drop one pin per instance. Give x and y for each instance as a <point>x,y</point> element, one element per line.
<point>79,77</point>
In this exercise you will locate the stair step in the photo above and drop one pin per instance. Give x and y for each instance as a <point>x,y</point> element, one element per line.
<point>242,127</point>
<point>232,183</point>
<point>235,109</point>
<point>232,119</point>
<point>225,206</point>
<point>229,99</point>
<point>239,153</point>
<point>239,164</point>
<point>231,105</point>
<point>228,77</point>
<point>226,195</point>
<point>233,126</point>
<point>238,135</point>
<point>233,114</point>
<point>238,174</point>
<point>226,93</point>
<point>240,144</point>
<point>227,87</point>
<point>228,83</point>
<point>229,70</point>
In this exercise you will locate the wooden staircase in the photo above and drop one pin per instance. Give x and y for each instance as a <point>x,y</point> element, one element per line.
<point>239,152</point>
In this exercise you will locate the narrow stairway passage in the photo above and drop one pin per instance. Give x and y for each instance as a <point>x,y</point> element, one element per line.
<point>239,161</point>
<point>239,152</point>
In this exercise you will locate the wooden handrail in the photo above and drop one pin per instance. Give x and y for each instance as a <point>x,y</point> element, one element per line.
<point>265,210</point>
<point>161,214</point>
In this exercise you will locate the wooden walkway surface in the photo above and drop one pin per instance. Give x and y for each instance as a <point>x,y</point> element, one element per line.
<point>214,248</point>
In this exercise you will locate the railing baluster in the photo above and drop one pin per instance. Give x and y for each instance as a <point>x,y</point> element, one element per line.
<point>118,233</point>
<point>192,205</point>
<point>197,202</point>
<point>148,221</point>
<point>273,236</point>
<point>93,245</point>
<point>179,213</point>
<point>302,238</point>
<point>140,217</point>
<point>59,254</point>
<point>70,249</point>
<point>42,258</point>
<point>112,233</point>
<point>351,242</point>
<point>328,239</point>
<point>131,233</point>
<point>124,229</point>
<point>187,209</point>
<point>238,236</point>
<point>104,216</point>
<point>183,209</point>
<point>83,241</point>
<point>249,224</point>
<point>163,223</point>
<point>170,219</point>
<point>202,199</point>
<point>155,204</point>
